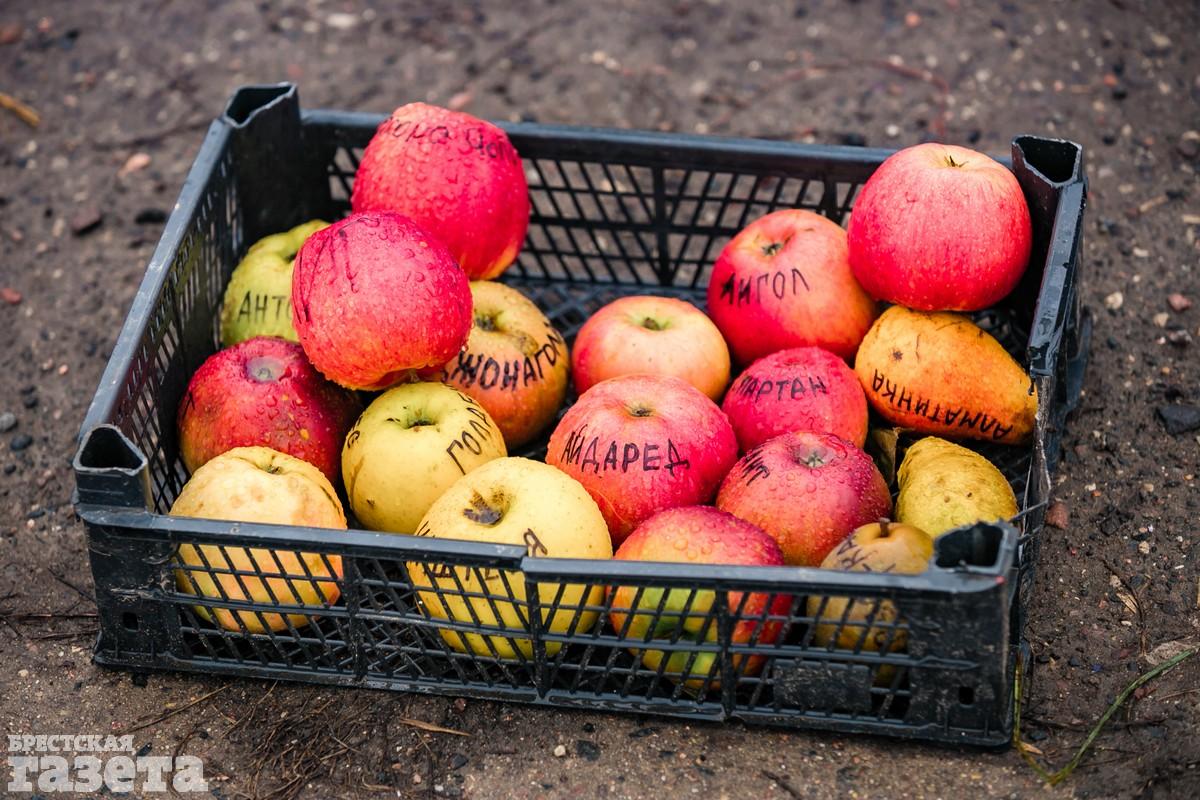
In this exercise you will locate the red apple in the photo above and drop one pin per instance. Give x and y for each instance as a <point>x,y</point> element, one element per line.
<point>375,297</point>
<point>514,364</point>
<point>457,176</point>
<point>784,281</point>
<point>802,389</point>
<point>940,228</point>
<point>263,392</point>
<point>653,335</point>
<point>697,535</point>
<point>642,443</point>
<point>808,490</point>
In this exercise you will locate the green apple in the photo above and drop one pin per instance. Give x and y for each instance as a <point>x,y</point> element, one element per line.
<point>258,299</point>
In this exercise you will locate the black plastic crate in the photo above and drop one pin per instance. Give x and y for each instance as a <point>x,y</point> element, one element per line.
<point>614,213</point>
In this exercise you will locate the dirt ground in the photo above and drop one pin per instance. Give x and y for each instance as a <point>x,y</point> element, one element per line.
<point>1117,582</point>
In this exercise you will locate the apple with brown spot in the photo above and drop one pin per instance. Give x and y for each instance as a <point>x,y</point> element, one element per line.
<point>808,490</point>
<point>264,392</point>
<point>258,484</point>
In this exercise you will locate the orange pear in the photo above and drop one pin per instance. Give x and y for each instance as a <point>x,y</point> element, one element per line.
<point>940,373</point>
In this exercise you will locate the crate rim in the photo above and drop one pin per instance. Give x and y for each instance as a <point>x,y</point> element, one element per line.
<point>164,529</point>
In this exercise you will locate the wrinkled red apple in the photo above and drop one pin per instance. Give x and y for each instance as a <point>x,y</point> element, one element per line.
<point>801,389</point>
<point>808,490</point>
<point>940,228</point>
<point>374,297</point>
<point>642,443</point>
<point>784,281</point>
<point>263,392</point>
<point>457,176</point>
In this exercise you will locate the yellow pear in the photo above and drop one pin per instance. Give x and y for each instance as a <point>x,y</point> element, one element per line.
<point>944,486</point>
<point>940,373</point>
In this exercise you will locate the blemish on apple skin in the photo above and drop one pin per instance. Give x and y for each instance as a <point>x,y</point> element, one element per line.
<point>483,512</point>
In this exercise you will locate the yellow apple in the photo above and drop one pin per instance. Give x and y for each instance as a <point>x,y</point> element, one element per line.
<point>410,445</point>
<point>511,501</point>
<point>868,624</point>
<point>258,484</point>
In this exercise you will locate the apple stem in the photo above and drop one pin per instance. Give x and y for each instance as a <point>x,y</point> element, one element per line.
<point>883,527</point>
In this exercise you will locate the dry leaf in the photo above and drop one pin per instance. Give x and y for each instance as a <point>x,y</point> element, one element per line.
<point>429,726</point>
<point>881,446</point>
<point>1168,650</point>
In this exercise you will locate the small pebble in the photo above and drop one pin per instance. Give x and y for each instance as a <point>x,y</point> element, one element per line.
<point>150,216</point>
<point>1178,302</point>
<point>8,421</point>
<point>1189,144</point>
<point>86,220</point>
<point>10,295</point>
<point>1179,418</point>
<point>892,131</point>
<point>560,751</point>
<point>9,469</point>
<point>458,761</point>
<point>1161,319</point>
<point>417,777</point>
<point>29,400</point>
<point>341,21</point>
<point>20,442</point>
<point>1144,548</point>
<point>10,33</point>
<point>588,750</point>
<point>1114,301</point>
<point>1057,516</point>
